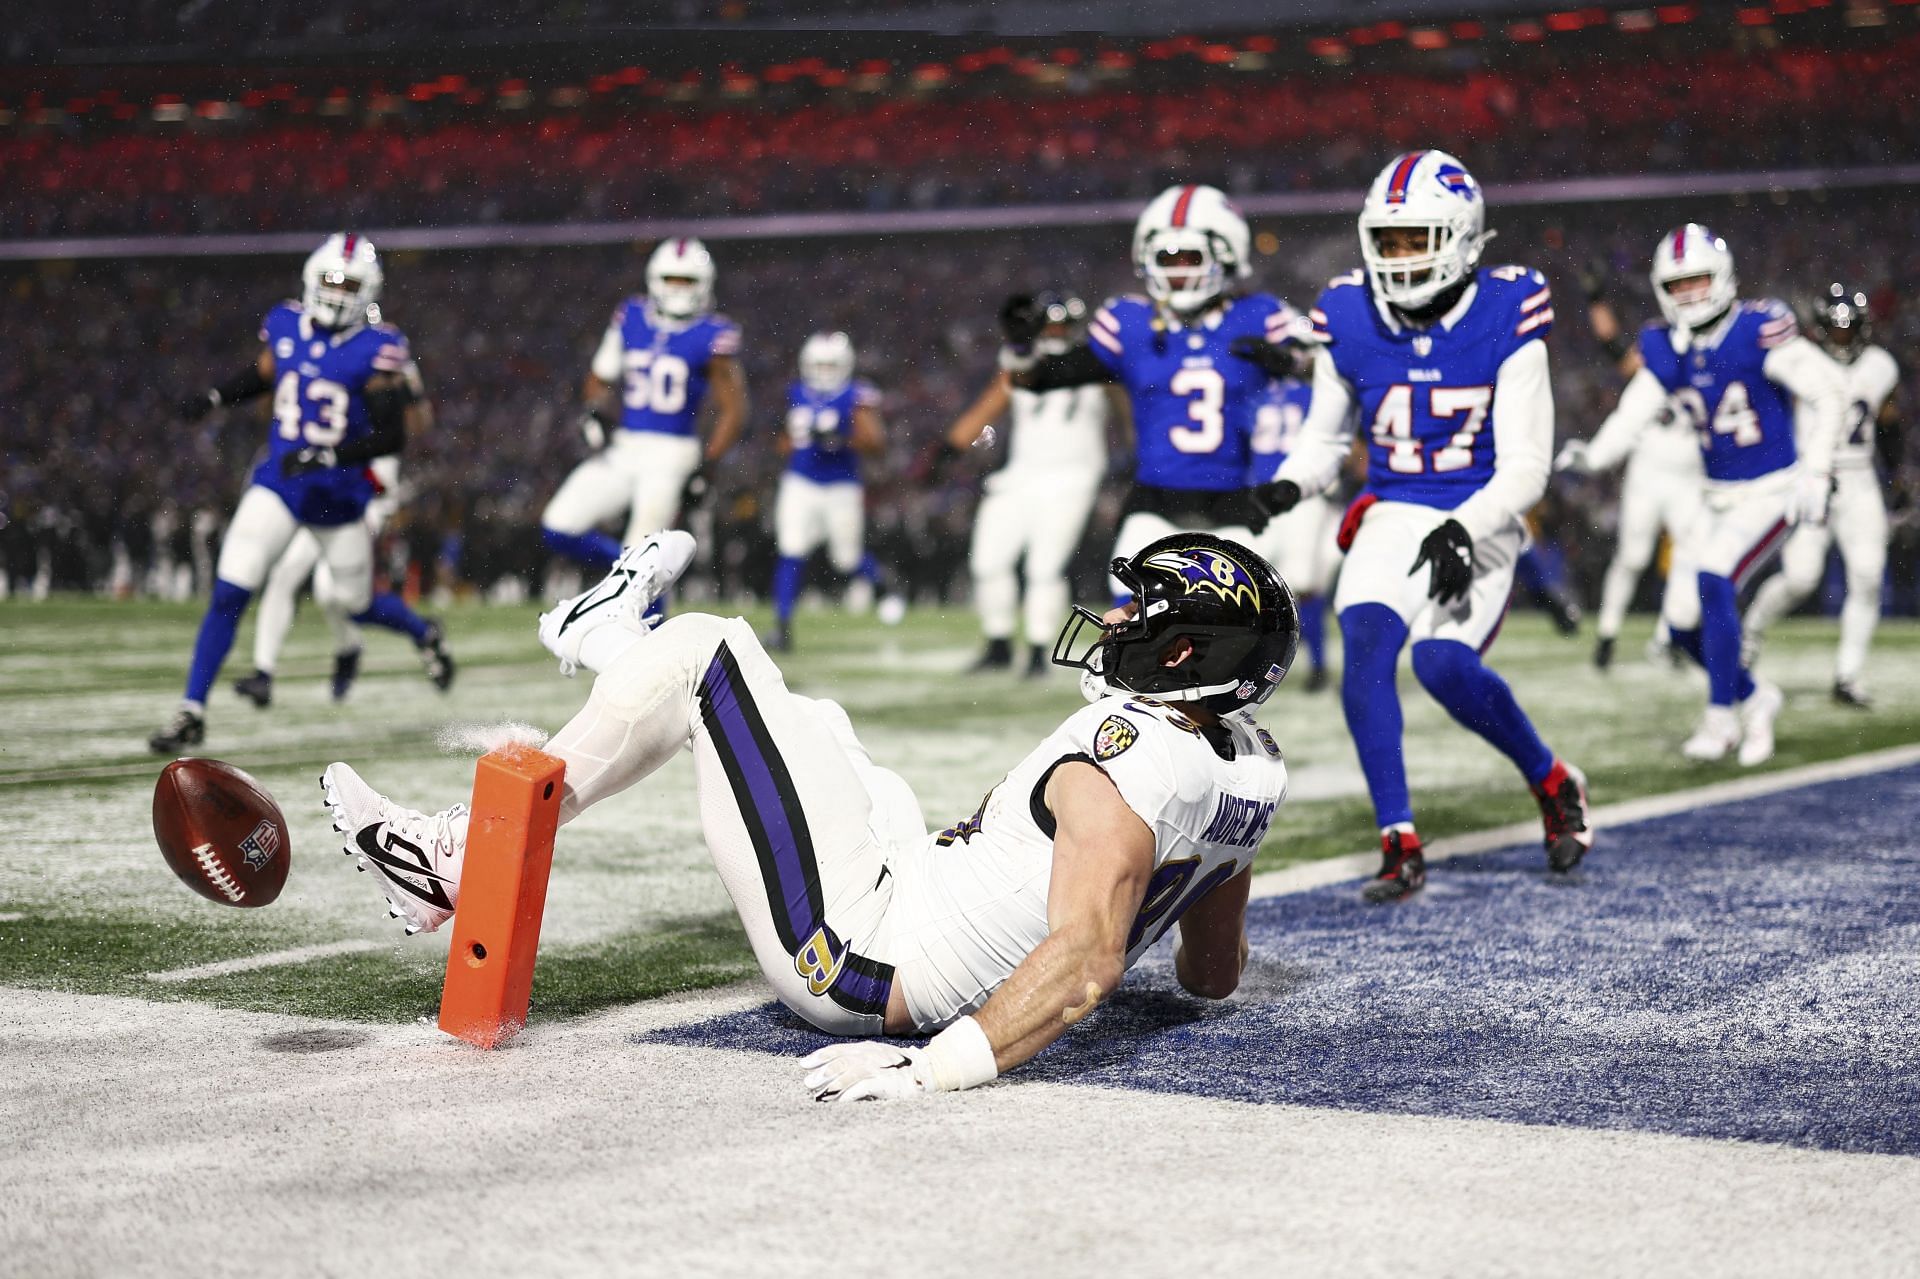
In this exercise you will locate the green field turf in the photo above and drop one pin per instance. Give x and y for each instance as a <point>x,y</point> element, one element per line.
<point>635,911</point>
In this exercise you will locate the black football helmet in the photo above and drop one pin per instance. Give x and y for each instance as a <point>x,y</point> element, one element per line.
<point>1221,597</point>
<point>1842,322</point>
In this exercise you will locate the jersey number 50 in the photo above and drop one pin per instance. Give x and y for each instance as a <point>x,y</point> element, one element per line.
<point>329,424</point>
<point>656,382</point>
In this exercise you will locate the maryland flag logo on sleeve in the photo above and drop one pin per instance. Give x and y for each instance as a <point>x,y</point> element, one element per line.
<point>1113,737</point>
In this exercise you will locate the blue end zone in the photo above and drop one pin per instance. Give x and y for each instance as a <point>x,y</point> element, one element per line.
<point>1750,971</point>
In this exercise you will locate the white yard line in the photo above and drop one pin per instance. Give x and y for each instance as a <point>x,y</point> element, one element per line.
<point>271,959</point>
<point>1334,870</point>
<point>10,916</point>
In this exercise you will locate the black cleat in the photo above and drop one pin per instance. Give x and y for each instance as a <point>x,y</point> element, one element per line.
<point>1403,868</point>
<point>184,729</point>
<point>998,657</point>
<point>1564,612</point>
<point>346,669</point>
<point>256,688</point>
<point>1563,815</point>
<point>436,657</point>
<point>1850,694</point>
<point>1603,653</point>
<point>1318,679</point>
<point>1039,663</point>
<point>779,639</point>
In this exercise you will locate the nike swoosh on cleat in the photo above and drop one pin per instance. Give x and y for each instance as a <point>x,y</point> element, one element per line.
<point>589,603</point>
<point>382,856</point>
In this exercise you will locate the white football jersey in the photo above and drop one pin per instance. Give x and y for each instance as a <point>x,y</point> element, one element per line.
<point>1059,430</point>
<point>971,902</point>
<point>1871,379</point>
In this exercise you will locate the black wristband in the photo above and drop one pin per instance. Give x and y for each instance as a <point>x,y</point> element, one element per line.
<point>1617,347</point>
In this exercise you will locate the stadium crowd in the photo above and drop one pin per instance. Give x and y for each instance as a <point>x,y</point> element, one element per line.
<point>102,484</point>
<point>1782,107</point>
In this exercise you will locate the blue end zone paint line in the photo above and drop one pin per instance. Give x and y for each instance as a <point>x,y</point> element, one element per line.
<point>1749,971</point>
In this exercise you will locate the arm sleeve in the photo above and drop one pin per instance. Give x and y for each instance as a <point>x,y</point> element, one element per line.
<point>606,360</point>
<point>1639,407</point>
<point>1077,367</point>
<point>387,416</point>
<point>1315,461</point>
<point>1821,388</point>
<point>1522,444</point>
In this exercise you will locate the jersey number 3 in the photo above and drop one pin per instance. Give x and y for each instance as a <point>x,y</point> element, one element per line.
<point>1209,396</point>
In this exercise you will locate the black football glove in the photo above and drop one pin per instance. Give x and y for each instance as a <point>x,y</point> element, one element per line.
<point>694,495</point>
<point>1449,549</point>
<point>1278,361</point>
<point>1595,274</point>
<point>1263,502</point>
<point>314,457</point>
<point>595,429</point>
<point>192,408</point>
<point>1022,320</point>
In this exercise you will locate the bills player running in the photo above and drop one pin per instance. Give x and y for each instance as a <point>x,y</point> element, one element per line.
<point>1736,369</point>
<point>1858,521</point>
<point>339,400</point>
<point>998,933</point>
<point>832,420</point>
<point>1195,357</point>
<point>1035,506</point>
<point>1300,544</point>
<point>1446,362</point>
<point>301,560</point>
<point>665,353</point>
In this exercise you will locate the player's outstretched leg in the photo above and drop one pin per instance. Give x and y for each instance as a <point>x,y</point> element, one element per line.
<point>1373,635</point>
<point>188,727</point>
<point>429,637</point>
<point>594,628</point>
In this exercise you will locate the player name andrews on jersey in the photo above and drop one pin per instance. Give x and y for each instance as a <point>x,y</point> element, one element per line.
<point>820,428</point>
<point>1426,394</point>
<point>320,379</point>
<point>1193,400</point>
<point>1743,418</point>
<point>664,365</point>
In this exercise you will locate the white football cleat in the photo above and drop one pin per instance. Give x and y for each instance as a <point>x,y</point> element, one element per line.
<point>641,575</point>
<point>1757,714</point>
<point>415,855</point>
<point>1718,734</point>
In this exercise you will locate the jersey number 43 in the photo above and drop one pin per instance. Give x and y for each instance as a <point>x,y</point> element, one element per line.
<point>326,426</point>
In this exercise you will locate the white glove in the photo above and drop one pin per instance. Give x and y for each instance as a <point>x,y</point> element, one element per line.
<point>1017,360</point>
<point>1807,500</point>
<point>593,429</point>
<point>1572,457</point>
<point>867,1071</point>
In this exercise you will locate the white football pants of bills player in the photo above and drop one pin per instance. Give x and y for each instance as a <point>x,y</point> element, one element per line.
<point>1302,547</point>
<point>1740,527</point>
<point>1379,564</point>
<point>1661,489</point>
<point>1857,524</point>
<point>1038,515</point>
<point>273,617</point>
<point>801,823</point>
<point>807,513</point>
<point>260,532</point>
<point>640,472</point>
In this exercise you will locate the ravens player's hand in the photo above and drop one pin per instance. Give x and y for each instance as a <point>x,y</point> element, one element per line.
<point>1449,549</point>
<point>192,408</point>
<point>314,457</point>
<point>1022,319</point>
<point>1595,274</point>
<point>1263,502</point>
<point>694,494</point>
<point>1276,360</point>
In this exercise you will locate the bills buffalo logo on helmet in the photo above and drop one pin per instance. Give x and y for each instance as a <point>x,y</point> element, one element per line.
<point>258,848</point>
<point>1206,570</point>
<point>1456,179</point>
<point>1112,737</point>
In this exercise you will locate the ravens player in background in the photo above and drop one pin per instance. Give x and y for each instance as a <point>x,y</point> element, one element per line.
<point>664,354</point>
<point>1195,356</point>
<point>993,936</point>
<point>340,398</point>
<point>1446,363</point>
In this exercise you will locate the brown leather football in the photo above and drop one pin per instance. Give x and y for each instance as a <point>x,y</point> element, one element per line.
<point>221,832</point>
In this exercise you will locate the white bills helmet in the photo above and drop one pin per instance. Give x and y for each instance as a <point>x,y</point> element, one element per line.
<point>1422,191</point>
<point>340,281</point>
<point>1187,244</point>
<point>826,363</point>
<point>1690,253</point>
<point>680,278</point>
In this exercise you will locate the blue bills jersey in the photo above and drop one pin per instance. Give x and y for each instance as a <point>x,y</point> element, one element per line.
<point>664,366</point>
<point>820,428</point>
<point>1276,425</point>
<point>319,385</point>
<point>1193,401</point>
<point>1744,420</point>
<point>1425,396</point>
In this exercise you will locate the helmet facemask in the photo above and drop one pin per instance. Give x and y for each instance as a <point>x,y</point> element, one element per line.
<point>826,363</point>
<point>680,279</point>
<point>1413,263</point>
<point>1843,323</point>
<point>340,282</point>
<point>1693,279</point>
<point>1184,269</point>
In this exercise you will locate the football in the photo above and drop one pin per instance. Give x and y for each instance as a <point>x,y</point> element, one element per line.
<point>221,832</point>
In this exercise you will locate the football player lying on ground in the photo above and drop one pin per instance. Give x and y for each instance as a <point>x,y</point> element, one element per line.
<point>1143,809</point>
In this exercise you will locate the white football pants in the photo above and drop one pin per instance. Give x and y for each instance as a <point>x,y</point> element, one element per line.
<point>807,513</point>
<point>1857,523</point>
<point>1379,570</point>
<point>1740,527</point>
<point>1661,490</point>
<point>1302,545</point>
<point>800,821</point>
<point>273,618</point>
<point>1040,517</point>
<point>640,472</point>
<point>261,529</point>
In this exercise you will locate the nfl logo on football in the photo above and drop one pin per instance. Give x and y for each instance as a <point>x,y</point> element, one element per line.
<point>258,848</point>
